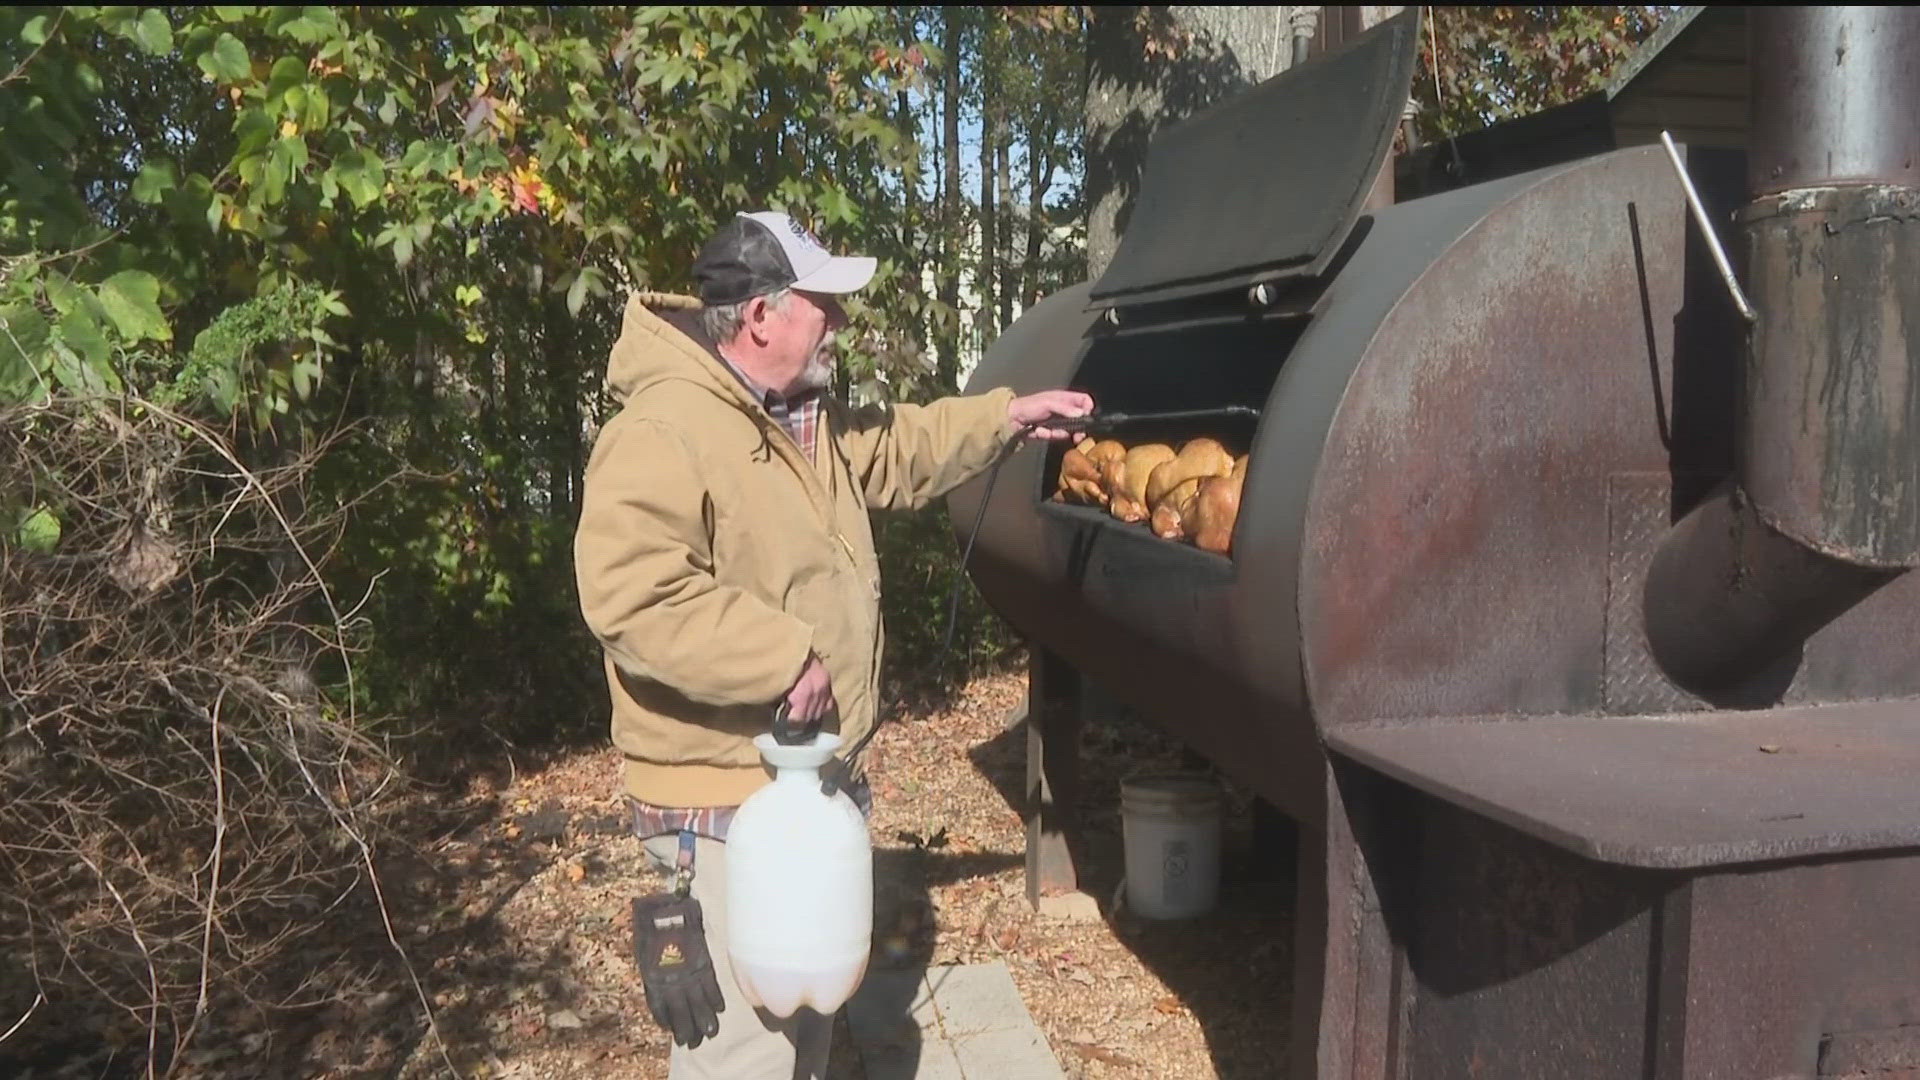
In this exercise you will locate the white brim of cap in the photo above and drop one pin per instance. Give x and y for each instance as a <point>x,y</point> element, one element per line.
<point>840,274</point>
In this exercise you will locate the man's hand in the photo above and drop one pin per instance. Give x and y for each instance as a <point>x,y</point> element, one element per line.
<point>1047,405</point>
<point>811,700</point>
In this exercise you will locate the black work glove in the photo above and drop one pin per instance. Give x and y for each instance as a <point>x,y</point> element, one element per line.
<point>670,948</point>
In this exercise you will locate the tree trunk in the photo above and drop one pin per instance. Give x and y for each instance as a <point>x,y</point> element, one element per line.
<point>948,353</point>
<point>910,181</point>
<point>1007,277</point>
<point>563,417</point>
<point>909,175</point>
<point>990,137</point>
<point>1151,66</point>
<point>1039,179</point>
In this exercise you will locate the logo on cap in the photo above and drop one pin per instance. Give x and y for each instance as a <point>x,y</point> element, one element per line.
<point>801,234</point>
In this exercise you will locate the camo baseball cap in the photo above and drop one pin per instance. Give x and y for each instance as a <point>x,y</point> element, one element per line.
<point>763,252</point>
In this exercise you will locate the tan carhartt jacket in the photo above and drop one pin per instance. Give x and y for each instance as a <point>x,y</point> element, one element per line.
<point>711,556</point>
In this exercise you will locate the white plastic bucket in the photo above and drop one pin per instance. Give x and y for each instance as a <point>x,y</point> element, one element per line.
<point>1171,826</point>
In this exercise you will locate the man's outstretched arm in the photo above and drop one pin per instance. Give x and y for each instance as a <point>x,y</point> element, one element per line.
<point>907,455</point>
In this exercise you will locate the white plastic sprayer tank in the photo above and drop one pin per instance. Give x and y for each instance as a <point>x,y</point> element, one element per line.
<point>799,886</point>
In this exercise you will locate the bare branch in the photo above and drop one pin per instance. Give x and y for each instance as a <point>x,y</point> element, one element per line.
<point>24,1017</point>
<point>162,741</point>
<point>20,70</point>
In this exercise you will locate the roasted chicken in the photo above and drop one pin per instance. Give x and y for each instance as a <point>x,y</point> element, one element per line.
<point>1174,485</point>
<point>1175,508</point>
<point>1126,480</point>
<point>1080,479</point>
<point>1215,509</point>
<point>1192,495</point>
<point>1199,458</point>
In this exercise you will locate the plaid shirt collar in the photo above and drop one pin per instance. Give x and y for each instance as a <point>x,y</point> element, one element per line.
<point>798,414</point>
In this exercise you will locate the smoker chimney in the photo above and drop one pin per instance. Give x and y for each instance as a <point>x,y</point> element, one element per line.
<point>1825,506</point>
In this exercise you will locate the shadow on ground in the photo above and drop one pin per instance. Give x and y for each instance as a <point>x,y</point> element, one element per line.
<point>905,929</point>
<point>1233,967</point>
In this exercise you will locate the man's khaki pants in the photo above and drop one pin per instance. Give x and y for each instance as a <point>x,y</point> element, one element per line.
<point>751,1045</point>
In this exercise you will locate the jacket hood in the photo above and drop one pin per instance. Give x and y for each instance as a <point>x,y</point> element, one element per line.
<point>661,340</point>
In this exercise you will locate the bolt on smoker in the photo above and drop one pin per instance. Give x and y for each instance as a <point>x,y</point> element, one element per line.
<point>1567,608</point>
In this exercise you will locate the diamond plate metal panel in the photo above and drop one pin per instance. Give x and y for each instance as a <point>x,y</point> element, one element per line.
<point>1638,516</point>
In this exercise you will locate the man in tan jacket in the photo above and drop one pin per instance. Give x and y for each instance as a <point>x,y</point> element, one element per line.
<point>726,564</point>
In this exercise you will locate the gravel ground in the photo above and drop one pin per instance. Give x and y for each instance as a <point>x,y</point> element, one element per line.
<point>513,914</point>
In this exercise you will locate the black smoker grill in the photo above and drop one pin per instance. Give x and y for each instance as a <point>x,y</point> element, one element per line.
<point>1566,611</point>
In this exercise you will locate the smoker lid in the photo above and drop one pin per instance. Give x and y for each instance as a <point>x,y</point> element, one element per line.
<point>1268,184</point>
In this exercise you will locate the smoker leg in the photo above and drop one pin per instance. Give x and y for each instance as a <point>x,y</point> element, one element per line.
<point>1275,843</point>
<point>1347,968</point>
<point>1053,774</point>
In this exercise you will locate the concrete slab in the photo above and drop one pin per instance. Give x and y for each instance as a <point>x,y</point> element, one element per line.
<point>956,1022</point>
<point>931,1060</point>
<point>1008,1054</point>
<point>977,997</point>
<point>891,1008</point>
<point>1073,907</point>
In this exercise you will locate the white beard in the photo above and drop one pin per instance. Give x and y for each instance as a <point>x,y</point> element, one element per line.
<point>817,376</point>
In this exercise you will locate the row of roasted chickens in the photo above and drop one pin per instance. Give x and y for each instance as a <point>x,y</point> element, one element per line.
<point>1190,494</point>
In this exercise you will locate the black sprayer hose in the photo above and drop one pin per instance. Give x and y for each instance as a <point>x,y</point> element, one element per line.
<point>838,772</point>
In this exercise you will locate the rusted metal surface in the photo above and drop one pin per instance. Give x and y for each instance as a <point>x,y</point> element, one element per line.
<point>1638,514</point>
<point>1827,502</point>
<point>1831,439</point>
<point>1729,601</point>
<point>1835,90</point>
<point>1871,1055</point>
<point>1130,610</point>
<point>1434,528</point>
<point>1342,940</point>
<point>1455,554</point>
<point>1528,962</point>
<point>1503,442</point>
<point>1795,970</point>
<point>1681,791</point>
<point>1491,464</point>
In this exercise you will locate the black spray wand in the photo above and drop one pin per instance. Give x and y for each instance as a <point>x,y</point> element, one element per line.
<point>1097,423</point>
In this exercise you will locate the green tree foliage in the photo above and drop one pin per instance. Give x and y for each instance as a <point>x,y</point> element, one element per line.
<point>420,223</point>
<point>1496,63</point>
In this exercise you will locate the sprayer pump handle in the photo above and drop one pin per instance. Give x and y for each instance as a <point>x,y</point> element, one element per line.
<point>785,731</point>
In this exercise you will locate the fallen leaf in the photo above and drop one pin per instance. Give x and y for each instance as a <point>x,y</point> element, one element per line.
<point>1169,1005</point>
<point>1097,1052</point>
<point>576,873</point>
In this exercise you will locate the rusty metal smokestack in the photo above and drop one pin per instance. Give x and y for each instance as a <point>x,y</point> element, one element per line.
<point>1827,503</point>
<point>1830,453</point>
<point>1303,22</point>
